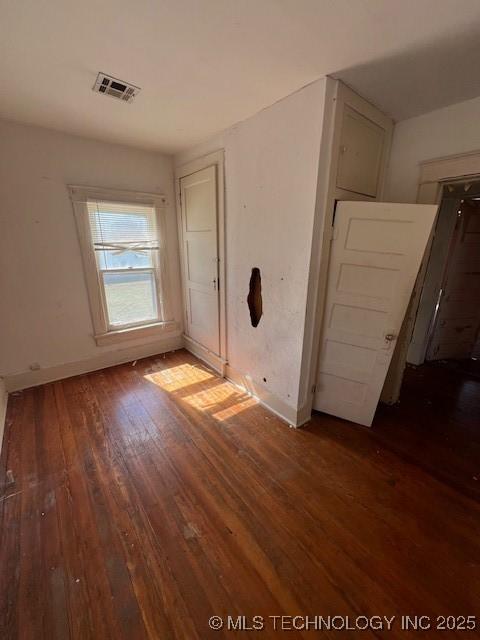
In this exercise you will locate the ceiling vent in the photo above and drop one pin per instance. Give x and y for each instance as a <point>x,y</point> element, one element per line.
<point>116,88</point>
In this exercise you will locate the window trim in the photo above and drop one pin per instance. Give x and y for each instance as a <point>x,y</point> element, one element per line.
<point>103,333</point>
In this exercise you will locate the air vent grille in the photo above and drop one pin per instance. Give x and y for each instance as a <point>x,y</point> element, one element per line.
<point>115,88</point>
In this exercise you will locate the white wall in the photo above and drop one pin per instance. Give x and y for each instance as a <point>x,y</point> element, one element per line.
<point>454,129</point>
<point>45,315</point>
<point>271,165</point>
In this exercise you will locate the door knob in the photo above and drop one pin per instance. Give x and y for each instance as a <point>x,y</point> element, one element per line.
<point>390,337</point>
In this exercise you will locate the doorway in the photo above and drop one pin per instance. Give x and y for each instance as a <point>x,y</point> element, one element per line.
<point>201,224</point>
<point>448,318</point>
<point>456,317</point>
<point>439,408</point>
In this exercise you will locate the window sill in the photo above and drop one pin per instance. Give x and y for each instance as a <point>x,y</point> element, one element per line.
<point>132,333</point>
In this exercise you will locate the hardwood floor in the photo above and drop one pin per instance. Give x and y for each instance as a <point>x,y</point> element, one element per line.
<point>436,425</point>
<point>140,500</point>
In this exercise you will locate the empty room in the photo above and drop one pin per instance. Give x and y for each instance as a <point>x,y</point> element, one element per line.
<point>239,319</point>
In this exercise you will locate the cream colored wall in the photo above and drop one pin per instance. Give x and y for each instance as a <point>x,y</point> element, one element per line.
<point>45,316</point>
<point>271,166</point>
<point>443,132</point>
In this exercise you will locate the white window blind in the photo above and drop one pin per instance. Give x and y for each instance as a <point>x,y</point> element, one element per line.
<point>126,244</point>
<point>122,227</point>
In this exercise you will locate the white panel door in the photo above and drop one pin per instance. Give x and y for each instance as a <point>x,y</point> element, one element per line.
<point>200,255</point>
<point>375,255</point>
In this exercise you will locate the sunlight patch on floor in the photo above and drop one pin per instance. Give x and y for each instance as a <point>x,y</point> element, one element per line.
<point>211,398</point>
<point>219,398</point>
<point>234,409</point>
<point>222,401</point>
<point>176,378</point>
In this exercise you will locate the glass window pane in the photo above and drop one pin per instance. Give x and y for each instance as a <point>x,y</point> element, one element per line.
<point>131,297</point>
<point>116,259</point>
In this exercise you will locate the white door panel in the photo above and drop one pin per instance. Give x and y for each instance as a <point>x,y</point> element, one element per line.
<point>361,152</point>
<point>375,256</point>
<point>200,254</point>
<point>199,268</point>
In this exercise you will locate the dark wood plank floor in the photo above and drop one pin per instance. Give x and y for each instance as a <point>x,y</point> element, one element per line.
<point>138,501</point>
<point>436,425</point>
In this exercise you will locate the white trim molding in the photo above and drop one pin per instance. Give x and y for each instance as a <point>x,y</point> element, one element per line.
<point>265,397</point>
<point>455,167</point>
<point>103,334</point>
<point>79,193</point>
<point>27,379</point>
<point>216,159</point>
<point>211,359</point>
<point>153,330</point>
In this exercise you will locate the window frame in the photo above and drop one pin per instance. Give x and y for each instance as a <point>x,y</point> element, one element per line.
<point>103,332</point>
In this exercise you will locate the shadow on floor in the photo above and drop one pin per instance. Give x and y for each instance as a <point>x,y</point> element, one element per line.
<point>436,424</point>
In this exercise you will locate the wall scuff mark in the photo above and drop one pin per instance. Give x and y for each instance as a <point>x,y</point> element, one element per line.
<point>254,298</point>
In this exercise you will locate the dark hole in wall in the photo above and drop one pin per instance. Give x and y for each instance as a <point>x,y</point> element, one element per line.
<point>254,299</point>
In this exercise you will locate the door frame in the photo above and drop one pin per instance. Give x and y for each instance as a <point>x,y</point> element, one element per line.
<point>216,159</point>
<point>434,174</point>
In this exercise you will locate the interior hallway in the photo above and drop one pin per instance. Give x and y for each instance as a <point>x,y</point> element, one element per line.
<point>142,499</point>
<point>436,425</point>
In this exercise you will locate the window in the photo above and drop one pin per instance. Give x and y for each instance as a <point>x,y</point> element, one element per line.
<point>125,241</point>
<point>121,236</point>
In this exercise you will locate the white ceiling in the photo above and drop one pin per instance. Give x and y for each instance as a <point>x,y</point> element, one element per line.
<point>206,64</point>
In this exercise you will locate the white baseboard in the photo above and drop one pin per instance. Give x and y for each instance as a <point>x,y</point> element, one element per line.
<point>266,398</point>
<point>108,359</point>
<point>216,362</point>
<point>304,415</point>
<point>290,415</point>
<point>270,401</point>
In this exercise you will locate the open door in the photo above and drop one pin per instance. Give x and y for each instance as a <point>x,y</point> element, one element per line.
<point>375,256</point>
